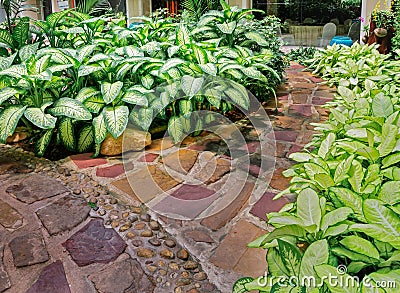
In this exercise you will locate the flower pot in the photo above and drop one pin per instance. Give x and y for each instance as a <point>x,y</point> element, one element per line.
<point>365,39</point>
<point>380,32</point>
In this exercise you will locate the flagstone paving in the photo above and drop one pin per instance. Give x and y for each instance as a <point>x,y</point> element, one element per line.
<point>172,218</point>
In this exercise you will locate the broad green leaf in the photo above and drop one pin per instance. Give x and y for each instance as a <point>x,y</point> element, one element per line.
<point>116,119</point>
<point>175,128</point>
<point>308,208</point>
<point>336,230</point>
<point>94,104</point>
<point>350,199</point>
<point>324,180</point>
<point>252,72</point>
<point>85,139</point>
<point>88,69</point>
<point>276,266</point>
<point>257,37</point>
<point>146,116</point>
<point>99,129</point>
<point>326,145</point>
<point>347,94</point>
<point>21,31</point>
<point>301,157</point>
<point>334,217</point>
<point>6,93</point>
<point>356,266</point>
<point>70,108</point>
<point>283,220</point>
<point>356,174</point>
<point>376,213</point>
<point>185,107</point>
<point>291,257</point>
<point>39,118</point>
<point>6,38</point>
<point>290,230</point>
<point>191,85</point>
<point>325,272</point>
<point>390,192</point>
<point>391,160</point>
<point>182,35</point>
<point>209,68</point>
<point>171,63</point>
<point>239,286</point>
<point>388,139</point>
<point>85,51</point>
<point>16,71</point>
<point>86,93</point>
<point>342,169</point>
<point>147,81</point>
<point>200,54</point>
<point>110,91</point>
<point>42,63</point>
<point>382,105</point>
<point>135,98</point>
<point>43,142</point>
<point>239,97</point>
<point>378,232</point>
<point>5,62</point>
<point>316,254</point>
<point>9,119</point>
<point>360,245</point>
<point>67,134</point>
<point>27,51</point>
<point>345,253</point>
<point>227,28</point>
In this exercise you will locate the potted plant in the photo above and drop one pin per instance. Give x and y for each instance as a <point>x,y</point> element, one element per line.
<point>383,20</point>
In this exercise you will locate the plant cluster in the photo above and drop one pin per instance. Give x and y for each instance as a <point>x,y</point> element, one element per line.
<point>302,55</point>
<point>345,222</point>
<point>83,77</point>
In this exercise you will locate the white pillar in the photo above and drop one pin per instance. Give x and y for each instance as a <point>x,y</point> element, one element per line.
<point>364,17</point>
<point>244,4</point>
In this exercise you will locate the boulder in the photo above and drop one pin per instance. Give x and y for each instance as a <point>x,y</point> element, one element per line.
<point>131,140</point>
<point>20,133</point>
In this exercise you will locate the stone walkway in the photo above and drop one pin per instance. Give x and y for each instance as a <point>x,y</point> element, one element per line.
<point>168,219</point>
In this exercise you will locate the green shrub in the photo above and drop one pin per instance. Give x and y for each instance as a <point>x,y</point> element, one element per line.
<point>347,182</point>
<point>84,77</point>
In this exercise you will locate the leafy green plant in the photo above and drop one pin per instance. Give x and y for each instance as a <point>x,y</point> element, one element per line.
<point>346,181</point>
<point>197,8</point>
<point>302,55</point>
<point>94,7</point>
<point>13,9</point>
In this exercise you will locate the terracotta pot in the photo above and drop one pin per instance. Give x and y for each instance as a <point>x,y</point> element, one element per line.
<point>380,32</point>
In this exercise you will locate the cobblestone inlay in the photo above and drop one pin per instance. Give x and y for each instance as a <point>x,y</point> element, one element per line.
<point>64,214</point>
<point>29,249</point>
<point>94,244</point>
<point>36,187</point>
<point>52,279</point>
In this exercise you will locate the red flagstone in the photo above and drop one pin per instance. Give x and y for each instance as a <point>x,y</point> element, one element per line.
<point>266,205</point>
<point>110,171</point>
<point>85,160</point>
<point>148,158</point>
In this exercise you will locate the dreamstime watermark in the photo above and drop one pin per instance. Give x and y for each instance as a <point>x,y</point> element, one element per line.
<point>340,279</point>
<point>178,189</point>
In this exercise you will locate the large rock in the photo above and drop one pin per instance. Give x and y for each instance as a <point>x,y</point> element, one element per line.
<point>131,140</point>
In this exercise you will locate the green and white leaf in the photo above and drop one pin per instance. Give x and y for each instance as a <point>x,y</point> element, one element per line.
<point>39,118</point>
<point>70,108</point>
<point>85,139</point>
<point>9,119</point>
<point>116,119</point>
<point>111,91</point>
